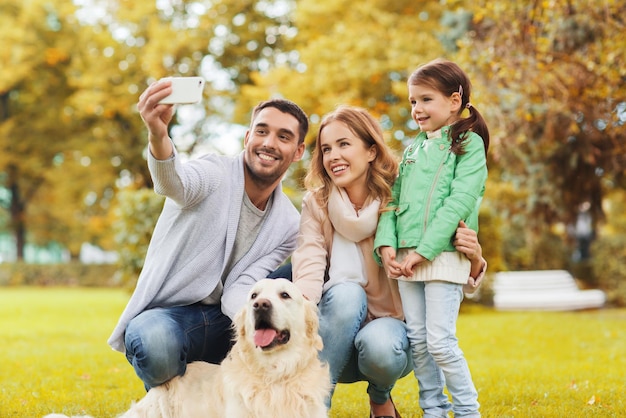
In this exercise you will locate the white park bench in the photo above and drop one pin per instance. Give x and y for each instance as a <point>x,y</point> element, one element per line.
<point>546,290</point>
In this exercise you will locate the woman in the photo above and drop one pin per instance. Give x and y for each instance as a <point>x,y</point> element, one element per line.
<point>361,319</point>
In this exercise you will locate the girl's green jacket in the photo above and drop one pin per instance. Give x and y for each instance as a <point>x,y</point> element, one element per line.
<point>435,189</point>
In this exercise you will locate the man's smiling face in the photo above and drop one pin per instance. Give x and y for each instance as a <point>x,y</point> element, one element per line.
<point>272,145</point>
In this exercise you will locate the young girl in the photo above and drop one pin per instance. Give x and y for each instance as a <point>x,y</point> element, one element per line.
<point>441,182</point>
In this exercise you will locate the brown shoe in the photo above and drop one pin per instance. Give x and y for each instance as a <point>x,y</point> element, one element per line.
<point>382,416</point>
<point>395,409</point>
<point>396,413</point>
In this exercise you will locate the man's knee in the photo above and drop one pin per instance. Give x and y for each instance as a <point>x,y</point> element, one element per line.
<point>155,349</point>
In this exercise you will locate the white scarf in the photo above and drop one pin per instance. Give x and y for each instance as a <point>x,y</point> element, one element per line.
<point>351,227</point>
<point>344,217</point>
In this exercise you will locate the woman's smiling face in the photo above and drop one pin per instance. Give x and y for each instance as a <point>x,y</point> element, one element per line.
<point>346,157</point>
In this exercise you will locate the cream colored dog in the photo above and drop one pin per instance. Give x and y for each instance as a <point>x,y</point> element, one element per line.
<point>272,371</point>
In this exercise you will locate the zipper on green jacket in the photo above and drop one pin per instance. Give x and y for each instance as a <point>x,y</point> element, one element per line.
<point>432,189</point>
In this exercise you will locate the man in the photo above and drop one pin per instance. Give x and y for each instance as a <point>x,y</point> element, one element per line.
<point>225,224</point>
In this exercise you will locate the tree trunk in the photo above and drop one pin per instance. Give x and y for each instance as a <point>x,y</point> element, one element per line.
<point>17,216</point>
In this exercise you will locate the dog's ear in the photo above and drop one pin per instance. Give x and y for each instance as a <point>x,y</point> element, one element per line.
<point>311,319</point>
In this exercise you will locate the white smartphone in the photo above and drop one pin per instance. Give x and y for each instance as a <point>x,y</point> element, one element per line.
<point>185,90</point>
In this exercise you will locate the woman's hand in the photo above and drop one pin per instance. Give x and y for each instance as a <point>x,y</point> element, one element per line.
<point>466,242</point>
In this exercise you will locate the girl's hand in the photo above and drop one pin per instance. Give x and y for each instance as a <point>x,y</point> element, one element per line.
<point>409,263</point>
<point>391,266</point>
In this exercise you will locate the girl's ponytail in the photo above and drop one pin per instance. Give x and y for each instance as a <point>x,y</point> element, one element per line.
<point>475,123</point>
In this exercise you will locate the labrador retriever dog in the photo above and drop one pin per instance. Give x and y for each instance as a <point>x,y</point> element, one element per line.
<point>272,371</point>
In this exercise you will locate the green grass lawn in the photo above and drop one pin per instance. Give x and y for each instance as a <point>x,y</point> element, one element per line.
<point>565,364</point>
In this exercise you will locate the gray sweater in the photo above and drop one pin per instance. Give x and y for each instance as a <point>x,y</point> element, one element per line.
<point>194,237</point>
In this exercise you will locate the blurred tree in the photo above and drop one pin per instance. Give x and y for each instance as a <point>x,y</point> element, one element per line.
<point>132,232</point>
<point>608,263</point>
<point>362,57</point>
<point>67,121</point>
<point>552,82</point>
<point>36,54</point>
<point>224,41</point>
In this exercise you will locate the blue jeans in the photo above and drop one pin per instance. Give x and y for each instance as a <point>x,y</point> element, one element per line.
<point>431,310</point>
<point>161,341</point>
<point>378,352</point>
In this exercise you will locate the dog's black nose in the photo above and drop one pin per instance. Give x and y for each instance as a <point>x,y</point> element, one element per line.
<point>262,305</point>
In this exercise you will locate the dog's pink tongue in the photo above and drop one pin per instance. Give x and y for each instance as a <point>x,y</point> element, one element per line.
<point>264,337</point>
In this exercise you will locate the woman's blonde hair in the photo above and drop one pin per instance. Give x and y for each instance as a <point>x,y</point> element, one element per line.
<point>383,169</point>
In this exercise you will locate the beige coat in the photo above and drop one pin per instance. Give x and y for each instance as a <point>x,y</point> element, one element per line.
<point>311,262</point>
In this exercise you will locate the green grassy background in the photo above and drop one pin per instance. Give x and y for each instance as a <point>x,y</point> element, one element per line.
<point>526,364</point>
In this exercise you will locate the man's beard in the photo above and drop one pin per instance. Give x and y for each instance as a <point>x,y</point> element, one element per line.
<point>262,179</point>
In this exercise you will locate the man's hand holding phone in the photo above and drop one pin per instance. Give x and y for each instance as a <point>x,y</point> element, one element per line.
<point>170,90</point>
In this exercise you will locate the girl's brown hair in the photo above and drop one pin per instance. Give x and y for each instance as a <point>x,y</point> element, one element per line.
<point>383,169</point>
<point>448,78</point>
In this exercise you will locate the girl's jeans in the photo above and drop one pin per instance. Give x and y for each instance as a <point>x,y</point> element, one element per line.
<point>161,341</point>
<point>378,352</point>
<point>431,310</point>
